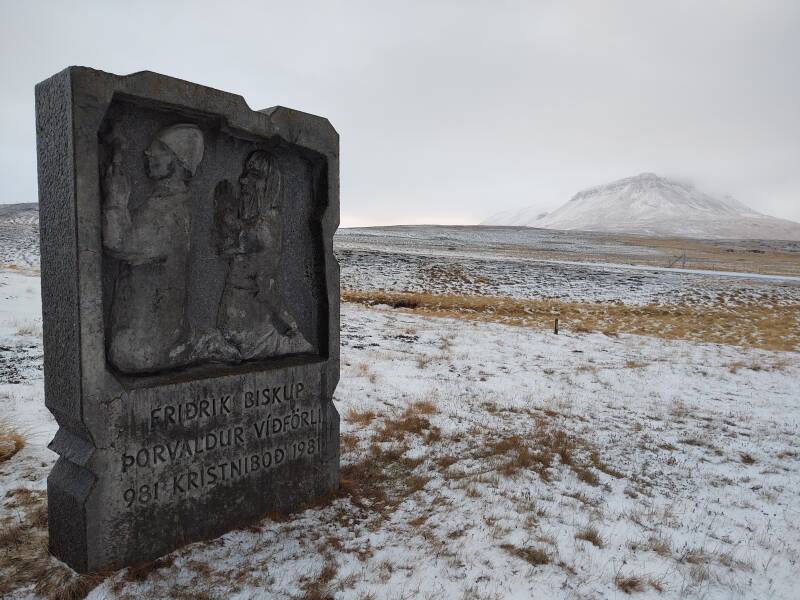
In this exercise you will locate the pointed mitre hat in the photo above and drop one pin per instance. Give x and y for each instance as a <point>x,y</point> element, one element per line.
<point>186,142</point>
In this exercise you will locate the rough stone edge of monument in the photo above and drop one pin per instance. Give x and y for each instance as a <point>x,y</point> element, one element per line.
<point>69,482</point>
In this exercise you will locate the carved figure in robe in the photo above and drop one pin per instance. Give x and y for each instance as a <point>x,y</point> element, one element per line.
<point>252,315</point>
<point>148,329</point>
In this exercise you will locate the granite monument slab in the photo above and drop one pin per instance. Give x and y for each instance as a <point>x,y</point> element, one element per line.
<point>191,311</point>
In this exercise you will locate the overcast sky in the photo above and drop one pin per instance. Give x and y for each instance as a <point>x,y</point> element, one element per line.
<point>450,111</point>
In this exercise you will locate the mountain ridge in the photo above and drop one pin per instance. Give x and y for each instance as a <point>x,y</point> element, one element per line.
<point>653,205</point>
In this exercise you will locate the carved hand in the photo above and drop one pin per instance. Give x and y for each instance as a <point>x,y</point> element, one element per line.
<point>227,221</point>
<point>266,290</point>
<point>116,218</point>
<point>117,186</point>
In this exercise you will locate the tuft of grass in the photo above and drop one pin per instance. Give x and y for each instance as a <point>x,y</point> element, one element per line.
<point>586,475</point>
<point>694,556</point>
<point>518,457</point>
<point>367,480</point>
<point>591,535</point>
<point>360,417</point>
<point>425,407</point>
<point>547,445</point>
<point>141,571</point>
<point>24,559</point>
<point>657,584</point>
<point>660,544</point>
<point>381,478</point>
<point>409,421</point>
<point>634,364</point>
<point>534,556</point>
<point>11,441</point>
<point>423,360</point>
<point>319,588</point>
<point>445,461</point>
<point>629,583</point>
<point>23,497</point>
<point>747,458</point>
<point>348,441</point>
<point>600,465</point>
<point>692,441</point>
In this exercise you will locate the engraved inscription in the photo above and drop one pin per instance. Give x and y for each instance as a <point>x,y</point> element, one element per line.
<point>265,431</point>
<point>204,476</point>
<point>193,410</point>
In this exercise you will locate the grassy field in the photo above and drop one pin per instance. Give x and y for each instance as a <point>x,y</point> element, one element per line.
<point>717,255</point>
<point>739,324</point>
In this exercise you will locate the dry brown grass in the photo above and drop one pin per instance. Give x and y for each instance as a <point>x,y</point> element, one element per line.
<point>517,456</point>
<point>749,325</point>
<point>141,571</point>
<point>423,360</point>
<point>425,407</point>
<point>360,417</point>
<point>599,464</point>
<point>319,588</point>
<point>445,461</point>
<point>381,477</point>
<point>375,475</point>
<point>657,584</point>
<point>747,458</point>
<point>380,480</point>
<point>409,421</point>
<point>24,559</point>
<point>22,270</point>
<point>538,451</point>
<point>629,583</point>
<point>348,441</point>
<point>534,556</point>
<point>635,364</point>
<point>591,535</point>
<point>11,441</point>
<point>660,544</point>
<point>23,497</point>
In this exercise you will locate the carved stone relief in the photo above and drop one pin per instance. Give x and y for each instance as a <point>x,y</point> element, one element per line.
<point>252,315</point>
<point>190,301</point>
<point>148,326</point>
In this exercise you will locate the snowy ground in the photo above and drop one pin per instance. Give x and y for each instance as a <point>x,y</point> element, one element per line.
<point>19,234</point>
<point>476,459</point>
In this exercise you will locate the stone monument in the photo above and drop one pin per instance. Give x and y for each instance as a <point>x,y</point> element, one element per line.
<point>190,298</point>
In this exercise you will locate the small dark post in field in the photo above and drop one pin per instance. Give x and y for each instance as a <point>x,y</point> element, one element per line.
<point>555,327</point>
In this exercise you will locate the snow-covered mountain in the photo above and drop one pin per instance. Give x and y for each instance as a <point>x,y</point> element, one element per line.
<point>653,205</point>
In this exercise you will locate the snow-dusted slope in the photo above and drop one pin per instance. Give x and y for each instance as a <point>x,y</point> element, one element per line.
<point>19,234</point>
<point>653,205</point>
<point>523,216</point>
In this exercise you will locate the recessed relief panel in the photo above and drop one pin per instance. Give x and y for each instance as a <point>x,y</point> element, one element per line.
<point>209,245</point>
